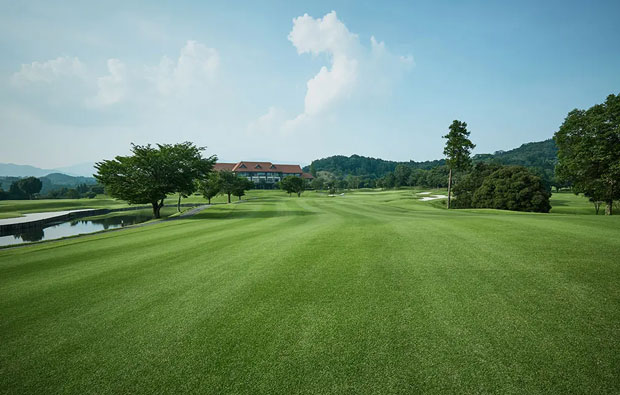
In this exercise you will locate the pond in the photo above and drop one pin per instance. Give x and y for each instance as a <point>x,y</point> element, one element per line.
<point>71,228</point>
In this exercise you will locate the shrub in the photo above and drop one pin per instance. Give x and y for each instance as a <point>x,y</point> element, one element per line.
<point>512,188</point>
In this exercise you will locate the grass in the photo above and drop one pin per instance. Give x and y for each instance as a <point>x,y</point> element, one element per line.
<point>371,292</point>
<point>17,208</point>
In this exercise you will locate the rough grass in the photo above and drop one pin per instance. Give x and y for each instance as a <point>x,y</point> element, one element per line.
<point>372,292</point>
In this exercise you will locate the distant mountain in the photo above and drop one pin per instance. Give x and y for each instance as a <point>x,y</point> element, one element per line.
<point>13,170</point>
<point>86,169</point>
<point>540,156</point>
<point>55,181</point>
<point>51,182</point>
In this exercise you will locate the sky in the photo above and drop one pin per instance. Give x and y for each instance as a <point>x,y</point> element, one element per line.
<point>288,81</point>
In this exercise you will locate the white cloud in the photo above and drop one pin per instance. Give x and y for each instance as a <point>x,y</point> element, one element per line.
<point>268,123</point>
<point>197,65</point>
<point>50,71</point>
<point>112,88</point>
<point>328,35</point>
<point>355,71</point>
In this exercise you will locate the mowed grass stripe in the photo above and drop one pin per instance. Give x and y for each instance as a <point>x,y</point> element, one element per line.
<point>367,293</point>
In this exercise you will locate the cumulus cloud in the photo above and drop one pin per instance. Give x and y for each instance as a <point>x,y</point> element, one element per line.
<point>197,64</point>
<point>354,70</point>
<point>268,123</point>
<point>112,87</point>
<point>50,71</point>
<point>329,35</point>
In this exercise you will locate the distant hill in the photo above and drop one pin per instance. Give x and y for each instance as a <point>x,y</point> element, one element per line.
<point>51,182</point>
<point>540,156</point>
<point>13,170</point>
<point>86,169</point>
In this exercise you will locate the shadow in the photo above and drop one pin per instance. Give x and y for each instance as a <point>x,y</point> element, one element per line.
<point>237,214</point>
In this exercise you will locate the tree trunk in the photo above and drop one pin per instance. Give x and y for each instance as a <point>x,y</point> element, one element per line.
<point>156,209</point>
<point>209,200</point>
<point>597,206</point>
<point>449,186</point>
<point>298,194</point>
<point>179,204</point>
<point>609,207</point>
<point>239,197</point>
<point>228,197</point>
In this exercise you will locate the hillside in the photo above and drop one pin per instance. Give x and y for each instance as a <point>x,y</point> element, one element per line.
<point>13,170</point>
<point>51,182</point>
<point>541,156</point>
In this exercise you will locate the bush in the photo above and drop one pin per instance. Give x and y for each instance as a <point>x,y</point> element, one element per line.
<point>512,188</point>
<point>465,188</point>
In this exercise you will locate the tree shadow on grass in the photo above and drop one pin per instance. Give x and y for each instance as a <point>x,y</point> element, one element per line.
<point>236,214</point>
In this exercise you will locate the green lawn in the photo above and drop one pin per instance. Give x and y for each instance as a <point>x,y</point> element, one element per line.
<point>16,208</point>
<point>371,292</point>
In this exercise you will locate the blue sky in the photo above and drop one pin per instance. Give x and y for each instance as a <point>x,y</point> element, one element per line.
<point>259,80</point>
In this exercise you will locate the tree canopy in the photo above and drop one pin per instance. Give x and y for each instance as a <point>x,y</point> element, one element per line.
<point>457,150</point>
<point>293,184</point>
<point>589,151</point>
<point>152,173</point>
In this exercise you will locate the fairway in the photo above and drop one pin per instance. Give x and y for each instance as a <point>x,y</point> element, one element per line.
<point>370,292</point>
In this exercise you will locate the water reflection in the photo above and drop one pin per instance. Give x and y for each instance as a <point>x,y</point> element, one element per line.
<point>71,228</point>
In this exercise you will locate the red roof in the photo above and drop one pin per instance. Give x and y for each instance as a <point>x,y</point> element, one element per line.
<point>307,176</point>
<point>258,167</point>
<point>223,166</point>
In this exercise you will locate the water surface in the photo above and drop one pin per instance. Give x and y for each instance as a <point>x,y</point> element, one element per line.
<point>71,228</point>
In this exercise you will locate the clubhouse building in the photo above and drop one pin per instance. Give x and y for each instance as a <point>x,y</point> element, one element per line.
<point>263,173</point>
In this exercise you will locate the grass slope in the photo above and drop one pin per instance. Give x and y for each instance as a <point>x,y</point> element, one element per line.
<point>373,292</point>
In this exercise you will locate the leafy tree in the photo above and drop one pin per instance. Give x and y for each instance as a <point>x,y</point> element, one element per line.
<point>212,186</point>
<point>152,173</point>
<point>30,186</point>
<point>15,192</point>
<point>242,184</point>
<point>464,190</point>
<point>457,150</point>
<point>512,188</point>
<point>318,183</point>
<point>313,169</point>
<point>293,184</point>
<point>589,151</point>
<point>389,181</point>
<point>401,175</point>
<point>228,181</point>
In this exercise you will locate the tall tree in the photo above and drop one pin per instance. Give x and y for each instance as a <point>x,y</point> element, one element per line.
<point>293,184</point>
<point>589,151</point>
<point>152,173</point>
<point>228,182</point>
<point>242,185</point>
<point>212,186</point>
<point>29,186</point>
<point>457,150</point>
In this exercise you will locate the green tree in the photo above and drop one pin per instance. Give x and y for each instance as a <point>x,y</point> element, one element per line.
<point>589,151</point>
<point>313,169</point>
<point>152,173</point>
<point>293,184</point>
<point>457,150</point>
<point>512,188</point>
<point>464,190</point>
<point>318,183</point>
<point>211,187</point>
<point>401,175</point>
<point>228,182</point>
<point>30,186</point>
<point>242,184</point>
